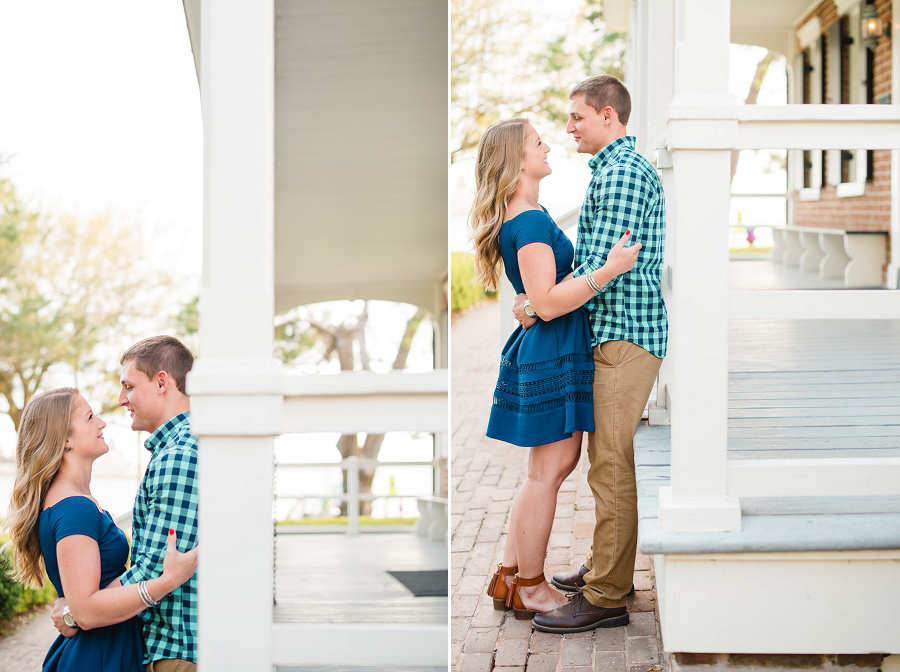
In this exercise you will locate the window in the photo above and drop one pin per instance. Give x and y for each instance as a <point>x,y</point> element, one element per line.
<point>856,64</point>
<point>809,88</point>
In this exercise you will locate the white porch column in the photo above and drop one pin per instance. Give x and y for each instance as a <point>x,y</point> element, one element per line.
<point>236,386</point>
<point>660,62</point>
<point>701,154</point>
<point>660,73</point>
<point>638,77</point>
<point>442,361</point>
<point>893,269</point>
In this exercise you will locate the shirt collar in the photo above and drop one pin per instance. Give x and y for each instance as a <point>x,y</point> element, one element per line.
<point>166,431</point>
<point>601,158</point>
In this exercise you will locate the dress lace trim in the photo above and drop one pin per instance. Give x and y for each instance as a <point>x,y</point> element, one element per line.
<point>534,388</point>
<point>543,406</point>
<point>547,365</point>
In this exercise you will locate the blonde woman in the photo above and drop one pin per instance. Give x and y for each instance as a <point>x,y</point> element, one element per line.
<point>55,524</point>
<point>543,398</point>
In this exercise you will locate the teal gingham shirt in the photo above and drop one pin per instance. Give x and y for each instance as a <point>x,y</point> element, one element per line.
<point>167,499</point>
<point>624,194</point>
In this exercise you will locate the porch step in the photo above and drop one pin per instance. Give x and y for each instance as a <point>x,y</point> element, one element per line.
<point>723,662</point>
<point>768,524</point>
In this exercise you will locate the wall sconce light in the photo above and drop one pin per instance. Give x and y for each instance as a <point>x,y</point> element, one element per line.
<point>873,28</point>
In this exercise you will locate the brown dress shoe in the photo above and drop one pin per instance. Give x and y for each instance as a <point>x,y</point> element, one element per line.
<point>574,581</point>
<point>498,589</point>
<point>513,600</point>
<point>570,581</point>
<point>579,615</point>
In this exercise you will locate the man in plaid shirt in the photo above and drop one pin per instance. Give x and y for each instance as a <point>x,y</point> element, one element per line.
<point>153,392</point>
<point>629,332</point>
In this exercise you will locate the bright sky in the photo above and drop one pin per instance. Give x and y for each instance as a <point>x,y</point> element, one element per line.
<point>102,112</point>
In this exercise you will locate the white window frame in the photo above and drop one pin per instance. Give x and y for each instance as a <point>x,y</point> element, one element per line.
<point>858,169</point>
<point>809,35</point>
<point>833,156</point>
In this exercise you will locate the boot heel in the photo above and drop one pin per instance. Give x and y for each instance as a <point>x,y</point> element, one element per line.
<point>523,614</point>
<point>615,621</point>
<point>497,588</point>
<point>514,600</point>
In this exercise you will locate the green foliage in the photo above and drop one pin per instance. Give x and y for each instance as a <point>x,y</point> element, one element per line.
<point>16,598</point>
<point>72,291</point>
<point>187,325</point>
<point>464,288</point>
<point>187,321</point>
<point>295,335</point>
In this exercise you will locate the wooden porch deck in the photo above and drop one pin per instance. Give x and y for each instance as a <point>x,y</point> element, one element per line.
<point>759,272</point>
<point>336,578</point>
<point>796,389</point>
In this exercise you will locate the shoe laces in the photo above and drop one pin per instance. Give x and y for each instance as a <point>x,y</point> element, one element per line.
<point>577,600</point>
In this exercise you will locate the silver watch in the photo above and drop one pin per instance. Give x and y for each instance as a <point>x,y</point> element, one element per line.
<point>68,617</point>
<point>529,309</point>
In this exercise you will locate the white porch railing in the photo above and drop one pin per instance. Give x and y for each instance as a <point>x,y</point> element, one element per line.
<point>352,496</point>
<point>223,399</point>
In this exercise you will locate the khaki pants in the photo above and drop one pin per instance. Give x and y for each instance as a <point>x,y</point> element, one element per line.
<point>623,378</point>
<point>171,665</point>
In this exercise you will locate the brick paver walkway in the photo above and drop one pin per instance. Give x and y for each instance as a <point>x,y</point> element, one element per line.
<point>484,477</point>
<point>24,650</point>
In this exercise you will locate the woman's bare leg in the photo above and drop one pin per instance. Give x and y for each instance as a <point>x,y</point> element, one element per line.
<point>531,518</point>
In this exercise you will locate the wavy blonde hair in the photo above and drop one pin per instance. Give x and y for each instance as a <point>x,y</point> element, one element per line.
<point>497,172</point>
<point>43,430</point>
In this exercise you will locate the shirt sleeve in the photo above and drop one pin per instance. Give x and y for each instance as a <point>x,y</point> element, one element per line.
<point>532,227</point>
<point>76,515</point>
<point>172,496</point>
<point>622,196</point>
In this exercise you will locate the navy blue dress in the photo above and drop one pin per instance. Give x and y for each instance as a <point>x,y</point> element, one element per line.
<point>544,392</point>
<point>113,648</point>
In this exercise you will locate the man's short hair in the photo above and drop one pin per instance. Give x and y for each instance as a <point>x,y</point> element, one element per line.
<point>161,353</point>
<point>605,90</point>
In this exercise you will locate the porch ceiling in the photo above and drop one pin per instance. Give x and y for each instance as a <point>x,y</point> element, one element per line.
<point>360,148</point>
<point>767,23</point>
<point>775,14</point>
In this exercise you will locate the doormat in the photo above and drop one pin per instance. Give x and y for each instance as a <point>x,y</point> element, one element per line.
<point>426,583</point>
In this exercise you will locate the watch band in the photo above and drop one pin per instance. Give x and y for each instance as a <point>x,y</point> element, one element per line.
<point>529,309</point>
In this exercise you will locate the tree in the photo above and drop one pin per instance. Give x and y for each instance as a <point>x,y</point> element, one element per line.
<point>586,49</point>
<point>302,330</point>
<point>503,65</point>
<point>74,291</point>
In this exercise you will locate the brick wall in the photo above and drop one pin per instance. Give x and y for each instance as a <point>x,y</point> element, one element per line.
<point>872,211</point>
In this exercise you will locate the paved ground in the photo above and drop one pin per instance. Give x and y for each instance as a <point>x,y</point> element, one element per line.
<point>24,650</point>
<point>485,475</point>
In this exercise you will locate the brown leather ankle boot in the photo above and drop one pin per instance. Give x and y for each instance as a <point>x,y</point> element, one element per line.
<point>498,589</point>
<point>513,600</point>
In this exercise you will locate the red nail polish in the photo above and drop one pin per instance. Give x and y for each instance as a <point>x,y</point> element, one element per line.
<point>628,233</point>
<point>171,531</point>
